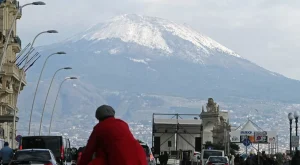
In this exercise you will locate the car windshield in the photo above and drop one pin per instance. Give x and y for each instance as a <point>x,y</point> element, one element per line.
<point>32,155</point>
<point>218,159</point>
<point>207,154</point>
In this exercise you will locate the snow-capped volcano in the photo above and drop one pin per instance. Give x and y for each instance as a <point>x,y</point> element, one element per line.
<point>151,55</point>
<point>155,33</point>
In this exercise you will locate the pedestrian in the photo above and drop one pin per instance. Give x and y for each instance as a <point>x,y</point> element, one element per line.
<point>232,160</point>
<point>112,142</point>
<point>80,150</point>
<point>6,154</point>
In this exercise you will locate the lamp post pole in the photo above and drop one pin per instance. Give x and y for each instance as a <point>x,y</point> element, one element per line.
<point>291,117</point>
<point>65,68</point>
<point>22,71</point>
<point>4,52</point>
<point>296,116</point>
<point>37,86</point>
<point>67,78</point>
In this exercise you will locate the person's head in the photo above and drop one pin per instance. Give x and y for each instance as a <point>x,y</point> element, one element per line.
<point>104,111</point>
<point>6,144</point>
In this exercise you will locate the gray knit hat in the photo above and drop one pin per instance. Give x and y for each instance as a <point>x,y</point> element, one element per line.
<point>104,111</point>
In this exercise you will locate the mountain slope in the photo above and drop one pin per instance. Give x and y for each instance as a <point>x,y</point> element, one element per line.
<point>150,55</point>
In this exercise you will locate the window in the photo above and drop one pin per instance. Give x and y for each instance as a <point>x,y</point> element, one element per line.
<point>32,155</point>
<point>218,159</point>
<point>51,143</point>
<point>207,154</point>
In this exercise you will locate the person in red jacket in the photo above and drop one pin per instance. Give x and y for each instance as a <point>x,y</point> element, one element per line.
<point>112,142</point>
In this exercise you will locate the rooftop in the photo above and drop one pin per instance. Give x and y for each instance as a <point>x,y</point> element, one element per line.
<point>180,121</point>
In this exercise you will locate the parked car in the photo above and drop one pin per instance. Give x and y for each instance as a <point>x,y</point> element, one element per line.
<point>34,157</point>
<point>59,145</point>
<point>217,160</point>
<point>150,157</point>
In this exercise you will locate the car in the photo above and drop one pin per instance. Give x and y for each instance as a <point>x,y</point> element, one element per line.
<point>217,160</point>
<point>59,145</point>
<point>150,157</point>
<point>206,153</point>
<point>34,156</point>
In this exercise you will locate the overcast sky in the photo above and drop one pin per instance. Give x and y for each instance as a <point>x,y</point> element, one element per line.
<point>262,31</point>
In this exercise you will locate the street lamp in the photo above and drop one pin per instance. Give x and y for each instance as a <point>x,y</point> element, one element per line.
<point>39,3</point>
<point>65,68</point>
<point>296,116</point>
<point>26,62</point>
<point>67,78</point>
<point>31,47</point>
<point>37,85</point>
<point>11,28</point>
<point>291,117</point>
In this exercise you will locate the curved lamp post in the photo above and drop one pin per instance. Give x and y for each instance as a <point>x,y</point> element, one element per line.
<point>11,28</point>
<point>65,68</point>
<point>31,47</point>
<point>290,117</point>
<point>26,62</point>
<point>67,78</point>
<point>37,86</point>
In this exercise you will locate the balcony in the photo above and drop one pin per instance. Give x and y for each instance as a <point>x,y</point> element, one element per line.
<point>16,44</point>
<point>8,118</point>
<point>12,70</point>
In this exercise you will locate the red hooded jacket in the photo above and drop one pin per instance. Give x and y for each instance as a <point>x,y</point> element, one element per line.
<point>79,156</point>
<point>114,144</point>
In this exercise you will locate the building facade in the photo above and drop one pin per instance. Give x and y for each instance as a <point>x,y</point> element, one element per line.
<point>10,75</point>
<point>188,132</point>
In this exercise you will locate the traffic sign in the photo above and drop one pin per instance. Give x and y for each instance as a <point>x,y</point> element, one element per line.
<point>295,141</point>
<point>246,142</point>
<point>18,138</point>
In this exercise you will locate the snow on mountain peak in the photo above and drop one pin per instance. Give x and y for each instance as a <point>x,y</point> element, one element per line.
<point>150,32</point>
